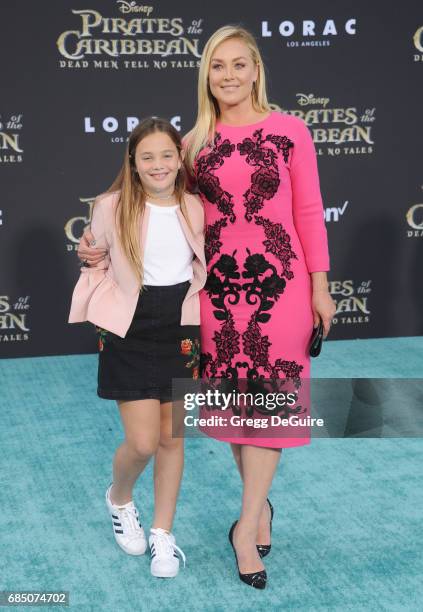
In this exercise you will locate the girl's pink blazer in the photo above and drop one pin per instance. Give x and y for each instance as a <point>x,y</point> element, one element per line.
<point>107,294</point>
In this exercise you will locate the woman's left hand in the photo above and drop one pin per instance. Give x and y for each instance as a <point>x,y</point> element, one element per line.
<point>323,308</point>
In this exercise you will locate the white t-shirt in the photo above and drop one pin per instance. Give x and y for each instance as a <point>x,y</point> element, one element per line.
<point>167,253</point>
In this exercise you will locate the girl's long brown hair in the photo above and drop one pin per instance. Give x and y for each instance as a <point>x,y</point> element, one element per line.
<point>132,197</point>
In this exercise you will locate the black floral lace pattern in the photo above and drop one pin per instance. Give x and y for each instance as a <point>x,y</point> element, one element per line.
<point>212,238</point>
<point>263,288</point>
<point>265,180</point>
<point>208,183</point>
<point>256,280</point>
<point>223,289</point>
<point>278,242</point>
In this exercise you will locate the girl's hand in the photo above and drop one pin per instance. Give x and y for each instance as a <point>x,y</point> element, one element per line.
<point>323,308</point>
<point>87,252</point>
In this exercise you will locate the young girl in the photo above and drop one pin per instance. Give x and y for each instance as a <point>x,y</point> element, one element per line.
<point>144,299</point>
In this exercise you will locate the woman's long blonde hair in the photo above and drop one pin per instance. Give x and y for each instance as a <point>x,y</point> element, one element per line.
<point>208,109</point>
<point>132,196</point>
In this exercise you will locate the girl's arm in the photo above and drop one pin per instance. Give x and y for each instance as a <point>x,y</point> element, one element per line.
<point>90,277</point>
<point>95,235</point>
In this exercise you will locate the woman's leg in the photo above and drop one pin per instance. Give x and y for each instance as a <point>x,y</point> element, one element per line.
<point>168,468</point>
<point>258,467</point>
<point>263,531</point>
<point>236,451</point>
<point>141,422</point>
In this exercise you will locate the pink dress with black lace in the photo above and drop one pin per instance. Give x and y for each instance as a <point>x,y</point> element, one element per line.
<point>265,233</point>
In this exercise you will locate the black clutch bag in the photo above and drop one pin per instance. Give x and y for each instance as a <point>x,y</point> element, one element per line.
<point>316,340</point>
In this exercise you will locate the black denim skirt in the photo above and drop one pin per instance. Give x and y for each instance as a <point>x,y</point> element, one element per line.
<point>155,350</point>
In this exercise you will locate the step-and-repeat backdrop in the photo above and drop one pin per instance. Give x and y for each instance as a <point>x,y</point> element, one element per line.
<point>77,76</point>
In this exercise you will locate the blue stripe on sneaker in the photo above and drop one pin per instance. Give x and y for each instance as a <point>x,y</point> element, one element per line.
<point>118,531</point>
<point>115,517</point>
<point>117,524</point>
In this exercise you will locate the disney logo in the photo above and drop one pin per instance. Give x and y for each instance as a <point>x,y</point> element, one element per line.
<point>304,100</point>
<point>133,7</point>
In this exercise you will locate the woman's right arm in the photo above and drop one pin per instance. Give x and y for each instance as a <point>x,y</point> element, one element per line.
<point>93,275</point>
<point>89,251</point>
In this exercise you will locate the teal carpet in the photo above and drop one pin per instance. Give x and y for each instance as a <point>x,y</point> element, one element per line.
<point>348,513</point>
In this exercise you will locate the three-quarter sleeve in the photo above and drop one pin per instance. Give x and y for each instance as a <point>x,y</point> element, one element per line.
<point>98,230</point>
<point>90,277</point>
<point>307,203</point>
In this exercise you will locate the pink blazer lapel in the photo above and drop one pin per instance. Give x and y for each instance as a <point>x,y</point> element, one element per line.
<point>198,250</point>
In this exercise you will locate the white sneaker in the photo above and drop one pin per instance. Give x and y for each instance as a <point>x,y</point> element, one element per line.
<point>127,528</point>
<point>164,558</point>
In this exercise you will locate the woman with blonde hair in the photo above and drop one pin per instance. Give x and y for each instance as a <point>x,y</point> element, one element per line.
<point>267,258</point>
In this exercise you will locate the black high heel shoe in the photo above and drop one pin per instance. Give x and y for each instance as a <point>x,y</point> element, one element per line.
<point>264,549</point>
<point>255,579</point>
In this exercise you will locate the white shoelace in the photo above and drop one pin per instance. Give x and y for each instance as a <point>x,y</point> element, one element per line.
<point>164,545</point>
<point>129,519</point>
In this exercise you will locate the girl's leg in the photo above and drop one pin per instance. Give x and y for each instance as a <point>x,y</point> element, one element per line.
<point>258,467</point>
<point>141,422</point>
<point>263,531</point>
<point>168,467</point>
